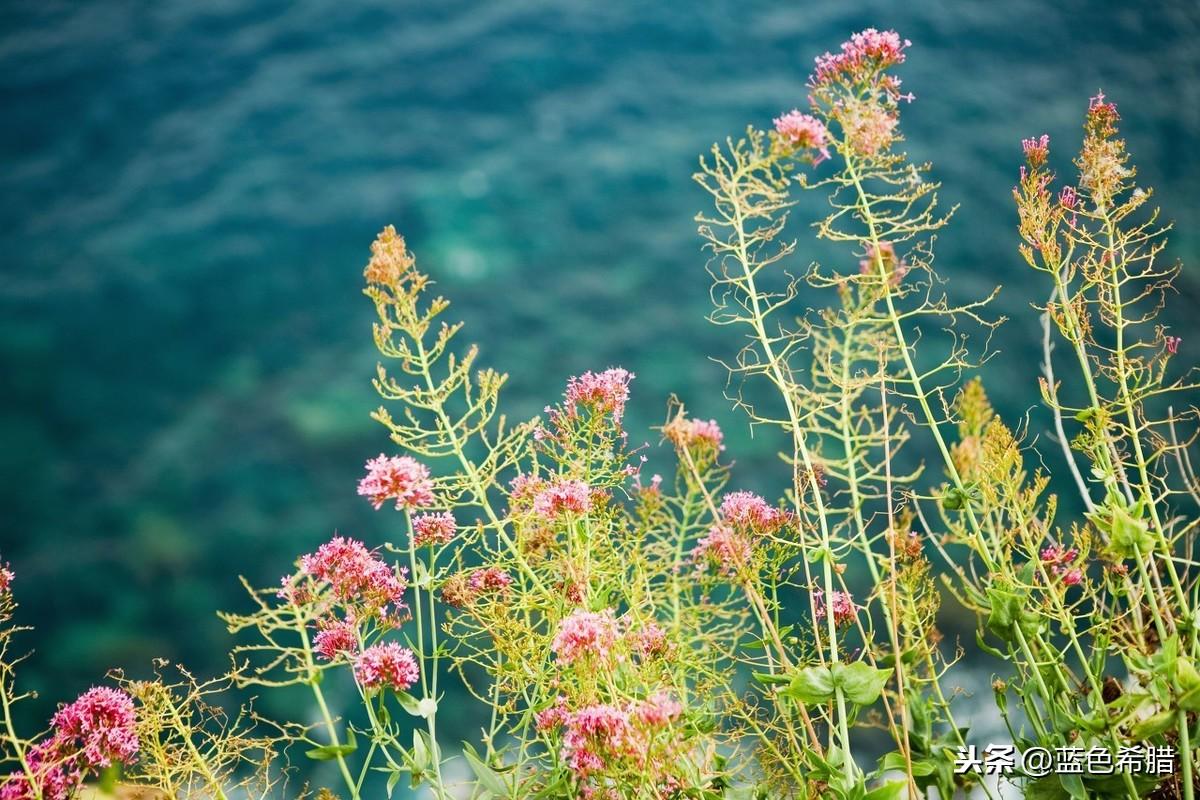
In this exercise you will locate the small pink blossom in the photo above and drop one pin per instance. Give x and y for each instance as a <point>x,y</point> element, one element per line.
<point>594,734</point>
<point>336,636</point>
<point>1060,561</point>
<point>600,392</point>
<point>56,773</point>
<point>587,635</point>
<point>870,127</point>
<point>399,478</point>
<point>6,579</point>
<point>489,579</point>
<point>1068,197</point>
<point>658,710</point>
<point>101,724</point>
<point>804,131</point>
<point>1101,111</point>
<point>433,529</point>
<point>356,575</point>
<point>1036,150</point>
<point>695,433</point>
<point>553,717</point>
<point>649,641</point>
<point>844,609</point>
<point>388,665</point>
<point>866,53</point>
<point>563,496</point>
<point>1172,344</point>
<point>728,550</point>
<point>748,511</point>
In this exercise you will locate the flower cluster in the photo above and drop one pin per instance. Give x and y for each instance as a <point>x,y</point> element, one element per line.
<point>433,529</point>
<point>598,737</point>
<point>1036,150</point>
<point>804,132</point>
<point>336,636</point>
<point>747,511</point>
<point>869,51</point>
<point>844,608</point>
<point>561,497</point>
<point>600,392</point>
<point>591,635</point>
<point>357,577</point>
<point>399,478</point>
<point>1061,562</point>
<point>388,665</point>
<point>96,731</point>
<point>695,434</point>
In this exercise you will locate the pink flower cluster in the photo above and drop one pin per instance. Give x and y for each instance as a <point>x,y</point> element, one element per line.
<point>562,496</point>
<point>869,126</point>
<point>748,511</point>
<point>597,737</point>
<point>866,52</point>
<point>335,636</point>
<point>94,732</point>
<point>600,392</point>
<point>6,579</point>
<point>489,579</point>
<point>433,529</point>
<point>695,433</point>
<point>649,641</point>
<point>1060,561</point>
<point>804,131</point>
<point>844,609</point>
<point>399,478</point>
<point>1172,344</point>
<point>1036,150</point>
<point>386,666</point>
<point>728,550</point>
<point>591,635</point>
<point>355,575</point>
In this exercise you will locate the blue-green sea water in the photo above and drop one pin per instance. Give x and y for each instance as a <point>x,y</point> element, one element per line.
<point>187,192</point>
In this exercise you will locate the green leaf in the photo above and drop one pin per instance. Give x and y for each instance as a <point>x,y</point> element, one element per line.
<point>811,686</point>
<point>895,761</point>
<point>771,680</point>
<point>1073,785</point>
<point>488,778</point>
<point>887,791</point>
<point>328,752</point>
<point>409,703</point>
<point>1152,726</point>
<point>861,682</point>
<point>1048,788</point>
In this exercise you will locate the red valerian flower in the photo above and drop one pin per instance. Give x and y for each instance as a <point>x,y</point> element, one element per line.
<point>399,478</point>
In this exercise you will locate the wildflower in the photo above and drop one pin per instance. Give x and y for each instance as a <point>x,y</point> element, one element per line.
<point>844,609</point>
<point>649,641</point>
<point>746,510</point>
<point>433,529</point>
<point>390,259</point>
<point>336,636</point>
<point>1060,561</point>
<point>696,434</point>
<point>586,634</point>
<point>389,665</point>
<point>553,717</point>
<point>1172,343</point>
<point>600,392</point>
<point>1101,113</point>
<point>1036,150</point>
<point>571,496</point>
<point>55,769</point>
<point>356,575</point>
<point>399,478</point>
<point>1068,197</point>
<point>804,131</point>
<point>594,734</point>
<point>490,579</point>
<point>456,591</point>
<point>101,725</point>
<point>866,53</point>
<point>869,126</point>
<point>659,710</point>
<point>726,549</point>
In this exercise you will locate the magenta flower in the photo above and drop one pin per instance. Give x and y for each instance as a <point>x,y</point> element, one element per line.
<point>56,773</point>
<point>490,579</point>
<point>101,725</point>
<point>658,710</point>
<point>844,609</point>
<point>747,511</point>
<point>355,575</point>
<point>399,478</point>
<point>390,666</point>
<point>6,579</point>
<point>600,392</point>
<point>587,634</point>
<point>1060,561</point>
<point>728,550</point>
<point>1172,343</point>
<point>336,636</point>
<point>433,529</point>
<point>593,734</point>
<point>867,52</point>
<point>563,496</point>
<point>1036,150</point>
<point>804,131</point>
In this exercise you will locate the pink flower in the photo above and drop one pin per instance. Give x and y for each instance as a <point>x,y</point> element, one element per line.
<point>726,549</point>
<point>867,52</point>
<point>389,665</point>
<point>56,773</point>
<point>586,635</point>
<point>695,433</point>
<point>553,717</point>
<point>1060,560</point>
<point>1067,197</point>
<point>600,392</point>
<point>1036,150</point>
<point>433,529</point>
<point>748,511</point>
<point>336,636</point>
<point>593,735</point>
<point>101,724</point>
<point>563,496</point>
<point>869,126</point>
<point>659,710</point>
<point>844,609</point>
<point>1072,577</point>
<point>490,579</point>
<point>649,641</point>
<point>356,575</point>
<point>1102,112</point>
<point>398,478</point>
<point>6,579</point>
<point>803,131</point>
<point>1172,343</point>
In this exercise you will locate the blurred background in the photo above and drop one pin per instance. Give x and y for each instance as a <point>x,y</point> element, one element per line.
<point>188,191</point>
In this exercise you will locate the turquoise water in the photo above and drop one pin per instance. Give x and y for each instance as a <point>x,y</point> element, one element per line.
<point>188,191</point>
